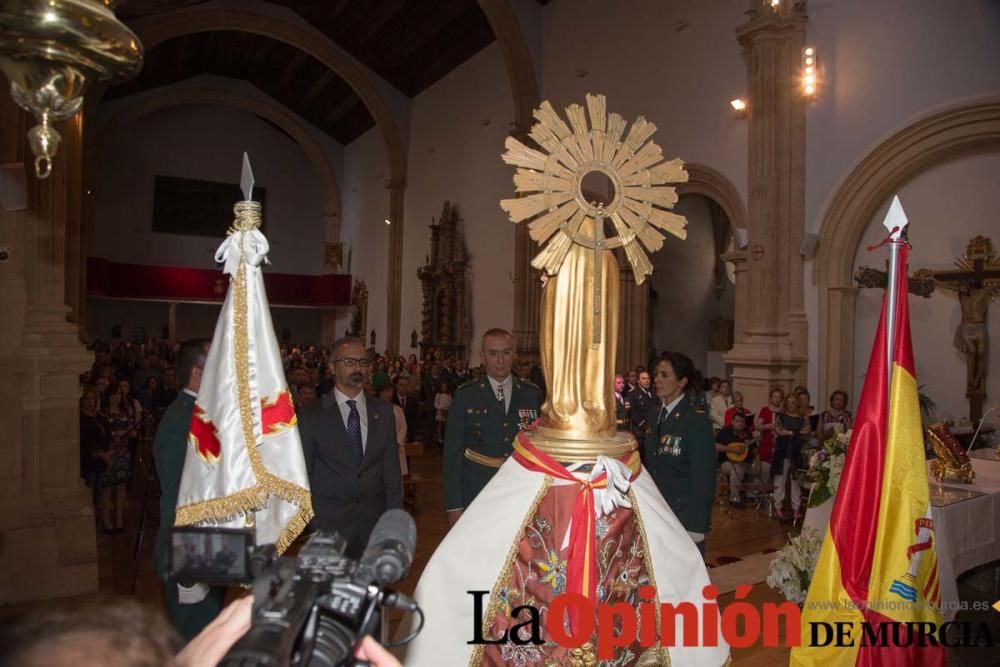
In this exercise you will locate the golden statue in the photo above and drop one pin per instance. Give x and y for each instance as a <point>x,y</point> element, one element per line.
<point>579,318</point>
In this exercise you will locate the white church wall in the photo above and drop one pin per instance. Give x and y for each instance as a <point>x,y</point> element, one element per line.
<point>676,63</point>
<point>683,278</point>
<point>458,129</point>
<point>883,65</point>
<point>946,206</point>
<point>364,232</point>
<point>202,142</point>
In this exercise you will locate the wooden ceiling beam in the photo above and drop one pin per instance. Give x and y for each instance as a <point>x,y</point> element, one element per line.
<point>384,12</point>
<point>339,109</point>
<point>425,32</point>
<point>314,90</point>
<point>291,69</point>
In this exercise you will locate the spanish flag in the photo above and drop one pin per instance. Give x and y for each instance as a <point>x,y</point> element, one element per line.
<point>877,569</point>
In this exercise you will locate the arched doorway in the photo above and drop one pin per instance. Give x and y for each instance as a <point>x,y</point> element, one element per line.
<point>966,129</point>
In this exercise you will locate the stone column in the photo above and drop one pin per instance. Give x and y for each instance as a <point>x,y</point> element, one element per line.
<point>743,302</point>
<point>46,518</point>
<point>772,347</point>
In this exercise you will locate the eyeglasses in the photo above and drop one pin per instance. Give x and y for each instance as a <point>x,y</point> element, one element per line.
<point>352,362</point>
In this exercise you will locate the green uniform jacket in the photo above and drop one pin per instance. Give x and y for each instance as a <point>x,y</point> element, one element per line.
<point>680,454</point>
<point>477,421</point>
<point>169,449</point>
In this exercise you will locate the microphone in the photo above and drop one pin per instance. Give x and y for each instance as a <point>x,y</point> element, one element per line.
<point>389,553</point>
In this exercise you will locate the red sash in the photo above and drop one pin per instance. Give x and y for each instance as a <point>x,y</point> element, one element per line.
<point>581,569</point>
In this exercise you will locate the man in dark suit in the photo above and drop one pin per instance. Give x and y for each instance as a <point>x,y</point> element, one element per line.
<point>188,615</point>
<point>349,443</point>
<point>411,409</point>
<point>485,416</point>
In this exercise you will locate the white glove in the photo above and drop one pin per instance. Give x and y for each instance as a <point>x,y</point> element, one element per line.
<point>191,594</point>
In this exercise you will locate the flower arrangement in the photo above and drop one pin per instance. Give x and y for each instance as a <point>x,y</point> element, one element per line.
<point>825,466</point>
<point>792,569</point>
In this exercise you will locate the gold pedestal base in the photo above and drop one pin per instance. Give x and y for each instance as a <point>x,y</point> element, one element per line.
<point>580,451</point>
<point>942,471</point>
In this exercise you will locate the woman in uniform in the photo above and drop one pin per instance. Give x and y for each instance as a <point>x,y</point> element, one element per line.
<point>679,446</point>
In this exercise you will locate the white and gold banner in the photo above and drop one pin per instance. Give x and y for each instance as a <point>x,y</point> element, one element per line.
<point>244,465</point>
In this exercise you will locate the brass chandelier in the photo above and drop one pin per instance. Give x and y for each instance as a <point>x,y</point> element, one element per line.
<point>51,51</point>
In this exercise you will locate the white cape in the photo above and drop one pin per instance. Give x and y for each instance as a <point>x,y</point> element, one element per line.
<point>473,552</point>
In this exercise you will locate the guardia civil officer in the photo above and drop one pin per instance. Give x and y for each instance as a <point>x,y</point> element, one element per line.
<point>679,447</point>
<point>485,416</point>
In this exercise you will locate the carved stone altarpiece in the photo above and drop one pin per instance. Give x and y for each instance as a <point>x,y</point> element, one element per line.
<point>446,329</point>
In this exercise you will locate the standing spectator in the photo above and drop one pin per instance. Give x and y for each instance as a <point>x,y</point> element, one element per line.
<point>411,411</point>
<point>836,419</point>
<point>765,425</point>
<point>632,381</point>
<point>190,608</point>
<point>387,394</point>
<point>114,480</point>
<point>737,408</point>
<point>719,403</point>
<point>679,447</point>
<point>94,452</point>
<point>792,429</point>
<point>807,410</point>
<point>351,453</point>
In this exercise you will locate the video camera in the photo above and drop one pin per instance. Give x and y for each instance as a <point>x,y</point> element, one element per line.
<point>310,610</point>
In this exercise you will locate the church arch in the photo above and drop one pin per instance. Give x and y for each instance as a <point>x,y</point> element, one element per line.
<point>517,56</point>
<point>705,180</point>
<point>965,129</point>
<point>262,18</point>
<point>259,106</point>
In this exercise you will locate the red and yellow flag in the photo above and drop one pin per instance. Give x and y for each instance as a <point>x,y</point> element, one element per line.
<point>877,568</point>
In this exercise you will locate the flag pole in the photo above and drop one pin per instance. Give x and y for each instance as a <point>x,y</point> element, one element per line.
<point>890,316</point>
<point>895,221</point>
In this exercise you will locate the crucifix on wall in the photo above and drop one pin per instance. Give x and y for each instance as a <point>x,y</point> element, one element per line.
<point>976,281</point>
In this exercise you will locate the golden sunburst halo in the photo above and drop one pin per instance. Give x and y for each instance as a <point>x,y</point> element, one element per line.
<point>552,181</point>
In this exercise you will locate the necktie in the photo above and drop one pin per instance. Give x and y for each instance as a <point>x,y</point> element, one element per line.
<point>354,431</point>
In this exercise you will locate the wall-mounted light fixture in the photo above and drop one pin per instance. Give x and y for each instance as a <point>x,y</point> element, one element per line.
<point>739,106</point>
<point>388,221</point>
<point>810,73</point>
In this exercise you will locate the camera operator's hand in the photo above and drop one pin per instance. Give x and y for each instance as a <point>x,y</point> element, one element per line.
<point>376,654</point>
<point>210,646</point>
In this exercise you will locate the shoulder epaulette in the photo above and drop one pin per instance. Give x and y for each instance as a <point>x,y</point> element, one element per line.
<point>466,384</point>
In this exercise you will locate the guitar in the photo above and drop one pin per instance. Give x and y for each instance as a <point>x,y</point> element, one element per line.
<point>741,456</point>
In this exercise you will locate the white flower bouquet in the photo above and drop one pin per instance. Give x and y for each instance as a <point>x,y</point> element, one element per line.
<point>792,569</point>
<point>825,466</point>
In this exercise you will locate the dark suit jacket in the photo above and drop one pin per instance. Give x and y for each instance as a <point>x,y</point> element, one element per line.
<point>411,412</point>
<point>347,497</point>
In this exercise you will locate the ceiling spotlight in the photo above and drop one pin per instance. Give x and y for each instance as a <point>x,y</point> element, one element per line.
<point>739,105</point>
<point>387,221</point>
